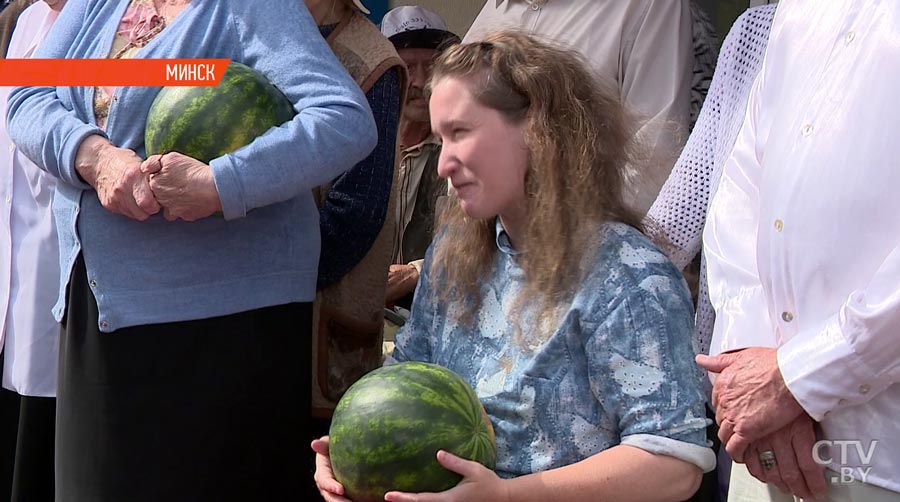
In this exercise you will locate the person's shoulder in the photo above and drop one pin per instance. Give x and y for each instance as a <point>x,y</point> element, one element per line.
<point>14,10</point>
<point>273,9</point>
<point>246,12</point>
<point>631,276</point>
<point>36,12</point>
<point>366,28</point>
<point>287,23</point>
<point>754,19</point>
<point>629,258</point>
<point>373,63</point>
<point>626,241</point>
<point>27,26</point>
<point>364,41</point>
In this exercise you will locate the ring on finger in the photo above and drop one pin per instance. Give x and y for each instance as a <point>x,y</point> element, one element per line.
<point>767,459</point>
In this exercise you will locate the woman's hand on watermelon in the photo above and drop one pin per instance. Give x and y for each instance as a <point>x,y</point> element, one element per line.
<point>115,173</point>
<point>329,488</point>
<point>183,186</point>
<point>478,484</point>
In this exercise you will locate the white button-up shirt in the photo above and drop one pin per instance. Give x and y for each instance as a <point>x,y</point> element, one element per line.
<point>29,258</point>
<point>644,47</point>
<point>803,232</point>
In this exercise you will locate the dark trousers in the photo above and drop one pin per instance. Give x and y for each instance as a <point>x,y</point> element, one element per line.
<point>215,409</point>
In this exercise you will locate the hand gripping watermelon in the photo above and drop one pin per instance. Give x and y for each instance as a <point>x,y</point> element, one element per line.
<point>208,122</point>
<point>390,424</point>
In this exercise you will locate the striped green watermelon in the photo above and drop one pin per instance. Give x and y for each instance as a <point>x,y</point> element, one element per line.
<point>390,424</point>
<point>208,122</point>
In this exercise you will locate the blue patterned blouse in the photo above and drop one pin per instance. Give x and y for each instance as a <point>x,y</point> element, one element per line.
<point>618,368</point>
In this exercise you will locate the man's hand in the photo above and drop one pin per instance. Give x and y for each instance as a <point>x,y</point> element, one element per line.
<point>115,173</point>
<point>750,397</point>
<point>402,280</point>
<point>795,471</point>
<point>184,186</point>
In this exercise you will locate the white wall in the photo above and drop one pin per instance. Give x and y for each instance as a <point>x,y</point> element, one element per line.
<point>458,14</point>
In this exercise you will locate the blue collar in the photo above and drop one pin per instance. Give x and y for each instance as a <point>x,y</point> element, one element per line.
<point>503,242</point>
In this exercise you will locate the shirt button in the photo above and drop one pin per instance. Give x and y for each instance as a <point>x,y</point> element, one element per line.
<point>864,389</point>
<point>535,7</point>
<point>850,36</point>
<point>779,225</point>
<point>93,283</point>
<point>807,130</point>
<point>103,324</point>
<point>8,199</point>
<point>12,147</point>
<point>787,316</point>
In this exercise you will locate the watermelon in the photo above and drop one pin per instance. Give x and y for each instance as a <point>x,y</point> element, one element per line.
<point>390,424</point>
<point>208,122</point>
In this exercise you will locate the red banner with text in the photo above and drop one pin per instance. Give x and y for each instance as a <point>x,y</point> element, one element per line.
<point>112,72</point>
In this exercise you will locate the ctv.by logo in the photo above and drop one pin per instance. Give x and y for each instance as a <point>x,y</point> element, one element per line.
<point>846,474</point>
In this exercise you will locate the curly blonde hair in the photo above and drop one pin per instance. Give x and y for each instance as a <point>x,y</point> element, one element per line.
<point>579,139</point>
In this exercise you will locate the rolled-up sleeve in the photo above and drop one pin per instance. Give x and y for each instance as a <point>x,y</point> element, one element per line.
<point>641,364</point>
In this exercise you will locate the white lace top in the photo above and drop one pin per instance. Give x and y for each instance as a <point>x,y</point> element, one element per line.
<point>679,212</point>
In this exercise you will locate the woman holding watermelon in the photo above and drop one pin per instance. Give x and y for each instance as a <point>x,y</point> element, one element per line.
<point>543,294</point>
<point>186,287</point>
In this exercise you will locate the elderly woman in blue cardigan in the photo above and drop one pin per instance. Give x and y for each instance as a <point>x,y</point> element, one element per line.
<point>177,378</point>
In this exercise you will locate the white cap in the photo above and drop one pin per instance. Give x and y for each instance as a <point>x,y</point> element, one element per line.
<point>416,27</point>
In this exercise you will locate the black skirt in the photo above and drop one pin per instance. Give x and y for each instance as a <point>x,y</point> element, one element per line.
<point>26,446</point>
<point>214,409</point>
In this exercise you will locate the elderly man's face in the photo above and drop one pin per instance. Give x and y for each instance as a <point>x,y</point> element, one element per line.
<point>419,62</point>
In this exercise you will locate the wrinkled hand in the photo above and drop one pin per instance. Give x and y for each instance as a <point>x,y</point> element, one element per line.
<point>329,488</point>
<point>116,176</point>
<point>478,484</point>
<point>750,397</point>
<point>183,186</point>
<point>402,280</point>
<point>795,471</point>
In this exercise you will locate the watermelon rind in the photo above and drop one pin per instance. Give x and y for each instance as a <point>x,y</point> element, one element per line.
<point>209,122</point>
<point>390,424</point>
